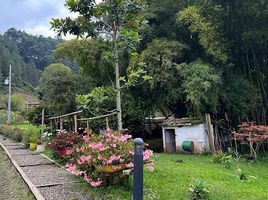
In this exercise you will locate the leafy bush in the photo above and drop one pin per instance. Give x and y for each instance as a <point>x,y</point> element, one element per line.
<point>198,191</point>
<point>6,131</point>
<point>217,158</point>
<point>17,135</point>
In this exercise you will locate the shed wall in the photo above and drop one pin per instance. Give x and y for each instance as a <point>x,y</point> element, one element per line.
<point>196,133</point>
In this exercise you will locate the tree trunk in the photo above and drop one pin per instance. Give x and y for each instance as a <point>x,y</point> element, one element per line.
<point>118,89</point>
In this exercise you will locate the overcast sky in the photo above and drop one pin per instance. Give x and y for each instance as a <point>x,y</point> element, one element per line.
<point>32,16</point>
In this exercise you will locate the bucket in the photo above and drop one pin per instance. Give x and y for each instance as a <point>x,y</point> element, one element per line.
<point>188,145</point>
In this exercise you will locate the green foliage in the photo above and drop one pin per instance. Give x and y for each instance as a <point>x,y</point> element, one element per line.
<point>200,84</point>
<point>208,33</point>
<point>94,58</point>
<point>17,102</point>
<point>239,97</point>
<point>99,101</point>
<point>198,191</point>
<point>217,158</point>
<point>227,161</point>
<point>241,174</point>
<point>57,87</point>
<point>160,58</point>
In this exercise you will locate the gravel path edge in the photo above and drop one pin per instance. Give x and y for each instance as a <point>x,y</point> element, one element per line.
<point>31,186</point>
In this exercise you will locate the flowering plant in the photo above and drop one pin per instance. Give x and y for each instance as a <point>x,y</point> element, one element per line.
<point>98,151</point>
<point>63,140</point>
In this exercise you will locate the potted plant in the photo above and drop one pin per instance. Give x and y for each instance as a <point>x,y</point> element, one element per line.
<point>100,158</point>
<point>33,139</point>
<point>64,142</point>
<point>40,147</point>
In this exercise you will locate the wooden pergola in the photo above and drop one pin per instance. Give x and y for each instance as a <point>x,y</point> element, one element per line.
<point>60,119</point>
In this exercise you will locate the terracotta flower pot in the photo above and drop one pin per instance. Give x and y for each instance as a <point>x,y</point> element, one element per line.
<point>109,168</point>
<point>64,151</point>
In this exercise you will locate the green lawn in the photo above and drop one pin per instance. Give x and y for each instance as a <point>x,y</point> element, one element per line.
<point>171,179</point>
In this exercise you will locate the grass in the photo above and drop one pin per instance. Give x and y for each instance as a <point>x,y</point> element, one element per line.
<point>171,180</point>
<point>27,127</point>
<point>11,184</point>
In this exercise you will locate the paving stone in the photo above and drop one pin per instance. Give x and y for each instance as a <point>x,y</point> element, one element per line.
<point>61,192</point>
<point>16,152</point>
<point>47,174</point>
<point>10,147</point>
<point>24,160</point>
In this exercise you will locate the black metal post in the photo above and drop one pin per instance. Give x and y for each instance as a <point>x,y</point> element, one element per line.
<point>138,170</point>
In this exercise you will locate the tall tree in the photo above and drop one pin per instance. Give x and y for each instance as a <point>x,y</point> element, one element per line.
<point>119,21</point>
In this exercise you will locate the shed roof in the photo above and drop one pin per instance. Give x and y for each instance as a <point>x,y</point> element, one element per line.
<point>178,122</point>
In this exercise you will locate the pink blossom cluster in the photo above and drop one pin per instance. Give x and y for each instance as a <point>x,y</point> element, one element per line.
<point>98,145</point>
<point>147,154</point>
<point>84,159</point>
<point>86,138</point>
<point>92,182</point>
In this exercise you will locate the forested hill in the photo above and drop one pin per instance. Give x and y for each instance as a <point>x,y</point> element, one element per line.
<point>28,56</point>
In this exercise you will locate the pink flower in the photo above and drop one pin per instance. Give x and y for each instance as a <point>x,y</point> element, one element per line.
<point>95,183</point>
<point>147,154</point>
<point>122,160</point>
<point>151,167</point>
<point>130,165</point>
<point>85,138</point>
<point>71,168</point>
<point>113,145</point>
<point>84,159</point>
<point>100,146</point>
<point>116,166</point>
<point>113,158</point>
<point>131,152</point>
<point>87,179</point>
<point>124,138</point>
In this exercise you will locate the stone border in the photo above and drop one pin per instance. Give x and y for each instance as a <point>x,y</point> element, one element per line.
<point>31,186</point>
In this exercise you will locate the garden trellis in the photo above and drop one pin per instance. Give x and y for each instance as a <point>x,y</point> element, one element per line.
<point>99,117</point>
<point>59,120</point>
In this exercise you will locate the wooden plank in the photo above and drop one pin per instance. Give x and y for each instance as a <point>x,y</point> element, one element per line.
<point>210,133</point>
<point>98,117</point>
<point>75,123</point>
<point>66,115</point>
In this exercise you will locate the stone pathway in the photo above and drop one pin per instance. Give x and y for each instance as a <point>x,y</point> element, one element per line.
<point>48,179</point>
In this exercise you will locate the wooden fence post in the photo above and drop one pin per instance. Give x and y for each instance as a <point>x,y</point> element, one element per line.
<point>210,133</point>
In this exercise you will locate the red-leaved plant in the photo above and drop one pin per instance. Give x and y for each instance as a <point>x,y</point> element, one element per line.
<point>100,151</point>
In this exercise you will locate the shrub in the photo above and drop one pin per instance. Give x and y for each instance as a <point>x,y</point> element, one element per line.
<point>198,191</point>
<point>65,140</point>
<point>26,137</point>
<point>227,160</point>
<point>241,174</point>
<point>17,135</point>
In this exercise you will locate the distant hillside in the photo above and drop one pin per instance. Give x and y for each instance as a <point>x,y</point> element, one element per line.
<point>28,56</point>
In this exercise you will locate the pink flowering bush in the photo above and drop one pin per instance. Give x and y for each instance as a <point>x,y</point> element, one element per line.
<point>99,156</point>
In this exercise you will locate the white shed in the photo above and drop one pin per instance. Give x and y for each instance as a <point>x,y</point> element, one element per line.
<point>198,130</point>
